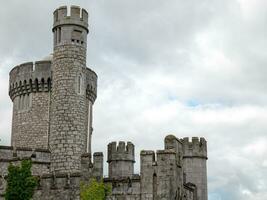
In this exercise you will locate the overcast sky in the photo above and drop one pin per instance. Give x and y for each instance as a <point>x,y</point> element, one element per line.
<point>190,68</point>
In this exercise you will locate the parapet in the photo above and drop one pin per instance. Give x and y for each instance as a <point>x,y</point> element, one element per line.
<point>30,77</point>
<point>149,157</point>
<point>197,148</point>
<point>11,154</point>
<point>121,152</point>
<point>77,17</point>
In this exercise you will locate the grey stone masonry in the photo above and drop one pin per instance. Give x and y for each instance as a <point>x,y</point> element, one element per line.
<point>92,169</point>
<point>194,164</point>
<point>161,178</point>
<point>63,186</point>
<point>9,154</point>
<point>121,159</point>
<point>125,188</point>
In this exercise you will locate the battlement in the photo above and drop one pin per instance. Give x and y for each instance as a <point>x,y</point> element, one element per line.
<point>92,169</point>
<point>121,152</point>
<point>77,17</point>
<point>195,148</point>
<point>151,158</point>
<point>30,77</point>
<point>10,154</point>
<point>58,186</point>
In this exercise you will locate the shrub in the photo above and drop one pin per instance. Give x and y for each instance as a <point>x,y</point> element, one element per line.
<point>20,182</point>
<point>94,190</point>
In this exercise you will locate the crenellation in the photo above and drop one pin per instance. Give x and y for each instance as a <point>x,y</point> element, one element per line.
<point>121,151</point>
<point>25,80</point>
<point>85,16</point>
<point>195,148</point>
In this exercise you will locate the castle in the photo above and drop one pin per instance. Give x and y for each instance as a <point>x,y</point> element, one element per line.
<point>52,125</point>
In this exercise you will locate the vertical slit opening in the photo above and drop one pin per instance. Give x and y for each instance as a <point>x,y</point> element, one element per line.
<point>154,186</point>
<point>59,34</point>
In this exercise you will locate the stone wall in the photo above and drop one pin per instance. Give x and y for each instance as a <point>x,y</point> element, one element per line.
<point>51,186</point>
<point>8,154</point>
<point>124,188</point>
<point>161,178</point>
<point>58,186</point>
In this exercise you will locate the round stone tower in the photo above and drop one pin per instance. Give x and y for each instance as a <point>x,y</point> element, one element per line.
<point>121,160</point>
<point>195,164</point>
<point>73,91</point>
<point>29,89</point>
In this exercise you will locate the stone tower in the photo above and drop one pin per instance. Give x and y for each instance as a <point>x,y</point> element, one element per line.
<point>73,91</point>
<point>194,164</point>
<point>120,159</point>
<point>29,89</point>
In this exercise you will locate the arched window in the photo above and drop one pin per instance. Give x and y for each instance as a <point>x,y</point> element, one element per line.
<point>24,102</point>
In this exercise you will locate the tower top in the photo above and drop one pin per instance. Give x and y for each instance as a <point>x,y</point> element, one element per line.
<point>121,151</point>
<point>196,148</point>
<point>78,16</point>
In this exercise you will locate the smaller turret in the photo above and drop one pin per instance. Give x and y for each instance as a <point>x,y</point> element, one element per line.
<point>195,164</point>
<point>121,159</point>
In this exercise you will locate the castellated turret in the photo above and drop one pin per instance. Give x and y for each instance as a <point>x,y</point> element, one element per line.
<point>73,91</point>
<point>194,164</point>
<point>29,89</point>
<point>120,159</point>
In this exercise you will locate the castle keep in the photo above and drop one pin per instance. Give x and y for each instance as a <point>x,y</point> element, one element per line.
<point>52,125</point>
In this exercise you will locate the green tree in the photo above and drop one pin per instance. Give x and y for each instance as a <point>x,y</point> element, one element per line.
<point>20,182</point>
<point>94,190</point>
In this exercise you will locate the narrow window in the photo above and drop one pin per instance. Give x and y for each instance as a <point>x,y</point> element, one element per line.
<point>154,186</point>
<point>19,102</point>
<point>59,34</point>
<point>80,84</point>
<point>55,36</point>
<point>36,85</point>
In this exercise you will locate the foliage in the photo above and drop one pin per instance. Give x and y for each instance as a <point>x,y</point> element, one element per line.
<point>20,182</point>
<point>94,190</point>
